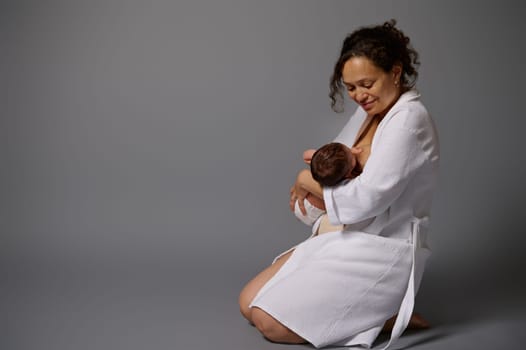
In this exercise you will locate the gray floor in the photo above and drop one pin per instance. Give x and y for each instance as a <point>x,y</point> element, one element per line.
<point>78,308</point>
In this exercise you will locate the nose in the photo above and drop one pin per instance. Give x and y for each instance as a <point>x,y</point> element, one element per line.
<point>362,97</point>
<point>359,95</point>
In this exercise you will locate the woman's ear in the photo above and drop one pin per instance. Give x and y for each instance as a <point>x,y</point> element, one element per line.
<point>397,71</point>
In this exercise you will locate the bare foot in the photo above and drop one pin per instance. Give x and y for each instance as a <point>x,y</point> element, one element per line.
<point>416,322</point>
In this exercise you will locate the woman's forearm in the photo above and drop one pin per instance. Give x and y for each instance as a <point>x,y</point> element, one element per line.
<point>305,186</point>
<point>308,184</point>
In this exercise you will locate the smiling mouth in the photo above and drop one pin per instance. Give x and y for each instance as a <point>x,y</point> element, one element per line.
<point>367,105</point>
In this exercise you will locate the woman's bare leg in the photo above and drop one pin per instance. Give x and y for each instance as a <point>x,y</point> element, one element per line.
<point>272,329</point>
<point>248,293</point>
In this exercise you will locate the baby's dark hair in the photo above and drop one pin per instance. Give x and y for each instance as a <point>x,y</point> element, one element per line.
<point>330,164</point>
<point>385,45</point>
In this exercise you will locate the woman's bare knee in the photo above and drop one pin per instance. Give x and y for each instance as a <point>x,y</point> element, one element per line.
<point>244,302</point>
<point>266,324</point>
<point>272,329</point>
<point>251,289</point>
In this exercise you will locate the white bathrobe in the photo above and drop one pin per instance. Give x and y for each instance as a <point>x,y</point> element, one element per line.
<point>339,288</point>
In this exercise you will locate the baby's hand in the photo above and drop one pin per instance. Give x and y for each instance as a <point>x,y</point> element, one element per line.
<point>307,155</point>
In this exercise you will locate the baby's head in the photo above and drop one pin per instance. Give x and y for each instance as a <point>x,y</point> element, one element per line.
<point>332,163</point>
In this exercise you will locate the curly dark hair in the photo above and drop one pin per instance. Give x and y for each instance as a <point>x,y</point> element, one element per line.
<point>330,164</point>
<point>385,45</point>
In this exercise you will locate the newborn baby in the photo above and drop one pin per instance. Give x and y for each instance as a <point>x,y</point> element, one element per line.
<point>329,165</point>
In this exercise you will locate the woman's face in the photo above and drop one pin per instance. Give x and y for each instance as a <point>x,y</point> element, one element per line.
<point>369,86</point>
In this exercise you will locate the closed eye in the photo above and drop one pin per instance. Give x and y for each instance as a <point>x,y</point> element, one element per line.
<point>367,84</point>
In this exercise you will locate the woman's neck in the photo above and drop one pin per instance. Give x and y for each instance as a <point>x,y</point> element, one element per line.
<point>399,93</point>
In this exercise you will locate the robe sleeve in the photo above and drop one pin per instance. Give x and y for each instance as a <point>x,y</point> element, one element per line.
<point>396,157</point>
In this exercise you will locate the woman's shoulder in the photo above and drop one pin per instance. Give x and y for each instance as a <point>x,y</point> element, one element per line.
<point>410,113</point>
<point>411,118</point>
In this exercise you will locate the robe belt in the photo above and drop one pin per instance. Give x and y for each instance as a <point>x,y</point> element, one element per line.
<point>408,302</point>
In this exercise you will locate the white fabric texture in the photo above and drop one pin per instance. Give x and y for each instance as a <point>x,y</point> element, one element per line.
<point>313,213</point>
<point>339,288</point>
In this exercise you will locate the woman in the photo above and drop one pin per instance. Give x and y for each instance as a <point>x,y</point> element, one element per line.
<point>341,287</point>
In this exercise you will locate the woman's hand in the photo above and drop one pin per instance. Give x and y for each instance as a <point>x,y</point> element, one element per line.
<point>298,195</point>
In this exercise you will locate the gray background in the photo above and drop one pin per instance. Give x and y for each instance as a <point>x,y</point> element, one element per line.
<point>147,150</point>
